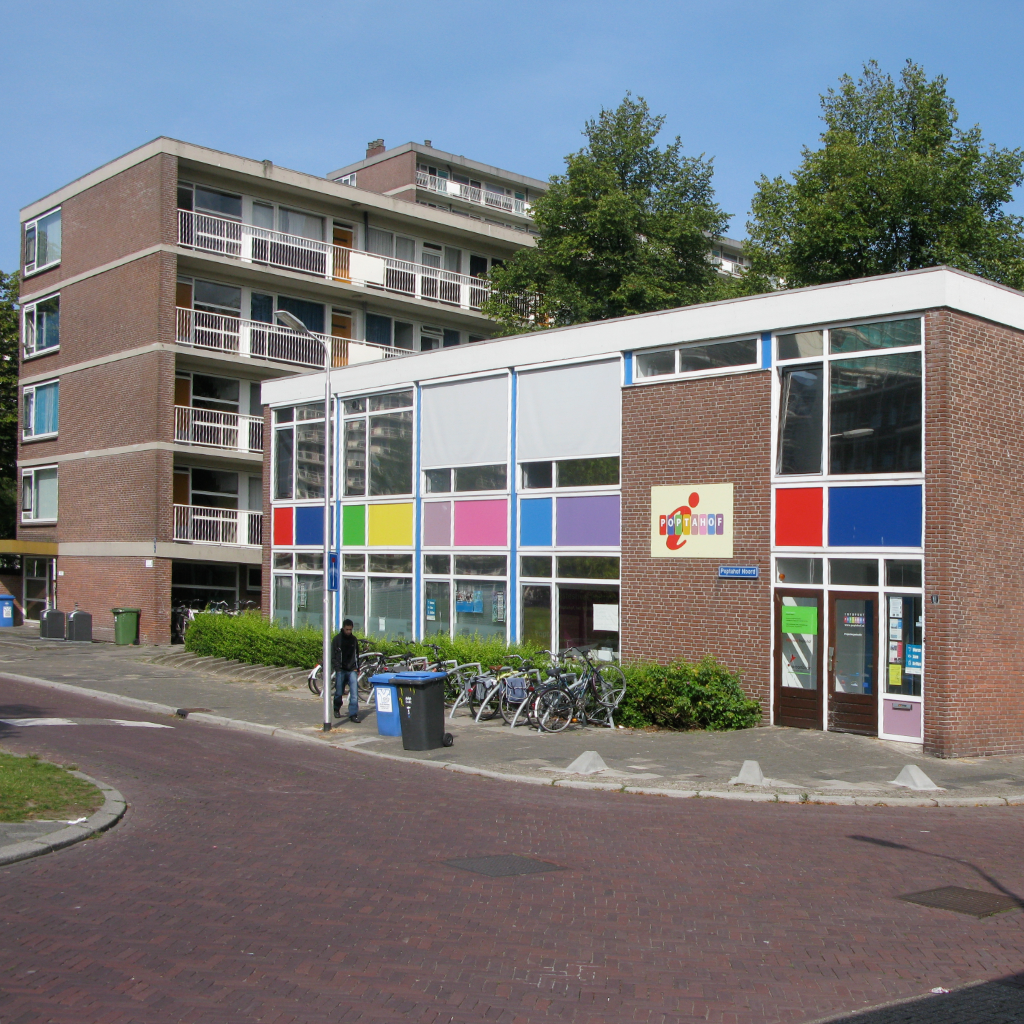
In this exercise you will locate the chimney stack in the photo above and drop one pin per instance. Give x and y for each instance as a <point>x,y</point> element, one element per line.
<point>375,147</point>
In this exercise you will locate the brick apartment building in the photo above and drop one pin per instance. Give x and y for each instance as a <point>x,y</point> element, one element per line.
<point>819,487</point>
<point>149,294</point>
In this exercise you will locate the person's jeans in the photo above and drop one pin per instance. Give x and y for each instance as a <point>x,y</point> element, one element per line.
<point>352,679</point>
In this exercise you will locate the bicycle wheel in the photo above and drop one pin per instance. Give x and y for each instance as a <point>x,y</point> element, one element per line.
<point>611,684</point>
<point>478,690</point>
<point>554,709</point>
<point>313,680</point>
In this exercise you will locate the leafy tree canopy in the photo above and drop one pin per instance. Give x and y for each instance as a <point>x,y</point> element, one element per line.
<point>896,185</point>
<point>8,401</point>
<point>627,229</point>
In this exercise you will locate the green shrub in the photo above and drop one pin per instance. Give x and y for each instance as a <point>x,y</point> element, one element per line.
<point>683,696</point>
<point>251,638</point>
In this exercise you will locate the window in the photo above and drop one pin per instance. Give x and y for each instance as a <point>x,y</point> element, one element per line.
<point>42,242</point>
<point>535,565</point>
<point>209,201</point>
<point>437,565</point>
<point>390,607</point>
<point>480,608</point>
<point>600,472</point>
<point>480,478</point>
<point>378,445</point>
<point>480,565</point>
<point>354,563</point>
<point>40,410</point>
<point>299,452</point>
<point>391,563</point>
<point>719,355</point>
<point>437,481</point>
<point>853,572</point>
<point>584,567</point>
<point>41,326</point>
<point>210,297</point>
<point>872,421</point>
<point>39,494</point>
<point>798,570</point>
<point>902,574</point>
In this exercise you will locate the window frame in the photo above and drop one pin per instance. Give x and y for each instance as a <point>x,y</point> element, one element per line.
<point>29,310</point>
<point>29,398</point>
<point>30,473</point>
<point>640,379</point>
<point>33,225</point>
<point>824,360</point>
<point>529,492</point>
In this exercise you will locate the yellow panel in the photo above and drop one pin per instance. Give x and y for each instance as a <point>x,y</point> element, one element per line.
<point>390,525</point>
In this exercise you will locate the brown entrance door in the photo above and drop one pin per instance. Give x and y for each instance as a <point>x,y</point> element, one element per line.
<point>853,663</point>
<point>343,241</point>
<point>798,677</point>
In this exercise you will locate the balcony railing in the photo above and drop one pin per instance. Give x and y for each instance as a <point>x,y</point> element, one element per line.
<point>251,244</point>
<point>472,194</point>
<point>252,338</point>
<point>198,524</point>
<point>228,430</point>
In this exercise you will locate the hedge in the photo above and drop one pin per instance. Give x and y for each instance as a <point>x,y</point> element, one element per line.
<point>675,696</point>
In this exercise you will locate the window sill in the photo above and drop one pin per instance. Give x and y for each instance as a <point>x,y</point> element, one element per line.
<point>31,438</point>
<point>28,356</point>
<point>38,522</point>
<point>38,270</point>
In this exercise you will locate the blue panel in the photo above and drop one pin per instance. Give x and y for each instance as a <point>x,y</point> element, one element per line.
<point>513,561</point>
<point>309,526</point>
<point>766,350</point>
<point>874,517</point>
<point>627,361</point>
<point>535,527</point>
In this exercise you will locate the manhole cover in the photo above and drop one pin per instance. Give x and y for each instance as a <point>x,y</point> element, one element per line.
<point>504,864</point>
<point>964,901</point>
<point>185,712</point>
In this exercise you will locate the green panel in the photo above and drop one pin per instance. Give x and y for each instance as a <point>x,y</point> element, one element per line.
<point>800,620</point>
<point>353,525</point>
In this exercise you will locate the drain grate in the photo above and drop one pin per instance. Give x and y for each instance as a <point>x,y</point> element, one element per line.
<point>502,865</point>
<point>964,901</point>
<point>185,712</point>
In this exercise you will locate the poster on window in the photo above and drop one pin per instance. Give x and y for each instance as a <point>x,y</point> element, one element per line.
<point>692,521</point>
<point>498,607</point>
<point>468,600</point>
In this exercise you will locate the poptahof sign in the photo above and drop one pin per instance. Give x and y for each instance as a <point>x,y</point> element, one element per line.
<point>692,521</point>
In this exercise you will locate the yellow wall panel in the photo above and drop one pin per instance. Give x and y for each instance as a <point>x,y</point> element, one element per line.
<point>390,525</point>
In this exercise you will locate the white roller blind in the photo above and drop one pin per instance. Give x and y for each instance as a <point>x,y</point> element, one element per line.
<point>464,424</point>
<point>569,412</point>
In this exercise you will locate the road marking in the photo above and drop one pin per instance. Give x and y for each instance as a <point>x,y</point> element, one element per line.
<point>23,722</point>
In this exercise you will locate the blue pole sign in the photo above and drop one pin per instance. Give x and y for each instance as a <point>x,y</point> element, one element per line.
<point>738,572</point>
<point>332,572</point>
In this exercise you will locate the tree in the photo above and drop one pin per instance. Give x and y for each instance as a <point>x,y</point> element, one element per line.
<point>627,229</point>
<point>895,186</point>
<point>8,402</point>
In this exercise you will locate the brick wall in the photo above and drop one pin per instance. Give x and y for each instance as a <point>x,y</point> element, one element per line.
<point>115,218</point>
<point>388,174</point>
<point>699,432</point>
<point>100,583</point>
<point>974,549</point>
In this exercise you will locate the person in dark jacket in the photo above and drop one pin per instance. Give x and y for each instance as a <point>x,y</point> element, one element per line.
<point>345,661</point>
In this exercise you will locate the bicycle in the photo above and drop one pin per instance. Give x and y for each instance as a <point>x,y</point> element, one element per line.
<point>370,664</point>
<point>592,697</point>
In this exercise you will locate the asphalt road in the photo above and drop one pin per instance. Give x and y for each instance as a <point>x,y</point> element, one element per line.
<point>258,879</point>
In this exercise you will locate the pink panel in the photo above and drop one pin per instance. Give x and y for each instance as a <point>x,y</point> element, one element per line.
<point>437,523</point>
<point>481,523</point>
<point>901,717</point>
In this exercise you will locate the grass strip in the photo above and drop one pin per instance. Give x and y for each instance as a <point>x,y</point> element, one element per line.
<point>31,789</point>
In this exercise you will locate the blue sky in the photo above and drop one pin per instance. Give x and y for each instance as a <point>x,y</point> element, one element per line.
<point>308,84</point>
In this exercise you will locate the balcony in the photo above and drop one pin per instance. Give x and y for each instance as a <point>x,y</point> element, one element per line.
<point>196,524</point>
<point>471,194</point>
<point>229,431</point>
<point>257,340</point>
<point>262,246</point>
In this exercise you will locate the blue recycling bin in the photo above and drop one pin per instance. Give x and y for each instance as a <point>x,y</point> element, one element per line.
<point>386,699</point>
<point>6,610</point>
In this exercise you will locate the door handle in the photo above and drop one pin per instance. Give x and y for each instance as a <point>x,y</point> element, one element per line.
<point>831,652</point>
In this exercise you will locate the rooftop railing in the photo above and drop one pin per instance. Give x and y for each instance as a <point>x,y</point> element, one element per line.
<point>257,340</point>
<point>472,194</point>
<point>197,524</point>
<point>252,244</point>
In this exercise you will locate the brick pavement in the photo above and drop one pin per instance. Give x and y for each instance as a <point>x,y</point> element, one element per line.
<point>260,880</point>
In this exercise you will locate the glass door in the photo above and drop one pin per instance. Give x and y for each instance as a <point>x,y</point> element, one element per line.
<point>853,663</point>
<point>798,687</point>
<point>38,587</point>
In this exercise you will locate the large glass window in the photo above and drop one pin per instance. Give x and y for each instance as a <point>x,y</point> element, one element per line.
<point>353,602</point>
<point>389,434</point>
<point>800,411</point>
<point>875,414</point>
<point>41,326</point>
<point>390,608</point>
<point>863,337</point>
<point>437,613</point>
<point>537,614</point>
<point>309,600</point>
<point>42,242</point>
<point>905,650</point>
<point>282,600</point>
<point>40,410</point>
<point>480,608</point>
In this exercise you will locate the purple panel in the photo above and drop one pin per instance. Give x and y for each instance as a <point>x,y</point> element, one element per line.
<point>901,717</point>
<point>437,523</point>
<point>585,522</point>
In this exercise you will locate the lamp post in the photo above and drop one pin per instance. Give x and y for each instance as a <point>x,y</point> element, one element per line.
<point>295,324</point>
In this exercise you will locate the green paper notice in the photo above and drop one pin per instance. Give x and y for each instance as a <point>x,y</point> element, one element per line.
<point>802,620</point>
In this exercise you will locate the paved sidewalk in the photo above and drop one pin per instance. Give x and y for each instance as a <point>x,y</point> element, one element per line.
<point>797,764</point>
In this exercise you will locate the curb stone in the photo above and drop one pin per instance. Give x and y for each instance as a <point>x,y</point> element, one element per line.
<point>109,814</point>
<point>318,739</point>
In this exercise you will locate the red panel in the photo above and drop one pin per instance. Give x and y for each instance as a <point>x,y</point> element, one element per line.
<point>798,516</point>
<point>284,530</point>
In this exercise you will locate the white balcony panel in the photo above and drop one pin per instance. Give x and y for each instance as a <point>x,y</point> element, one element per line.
<point>211,429</point>
<point>197,524</point>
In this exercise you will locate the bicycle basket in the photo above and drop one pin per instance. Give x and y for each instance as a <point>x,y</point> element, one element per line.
<point>516,689</point>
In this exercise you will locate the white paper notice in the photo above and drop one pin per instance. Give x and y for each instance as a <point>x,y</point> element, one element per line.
<point>383,698</point>
<point>606,618</point>
<point>895,607</point>
<point>382,625</point>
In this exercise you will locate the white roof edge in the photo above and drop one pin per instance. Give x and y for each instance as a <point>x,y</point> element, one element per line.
<point>280,175</point>
<point>909,292</point>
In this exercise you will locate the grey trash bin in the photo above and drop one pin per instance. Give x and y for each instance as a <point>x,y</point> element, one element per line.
<point>51,624</point>
<point>80,626</point>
